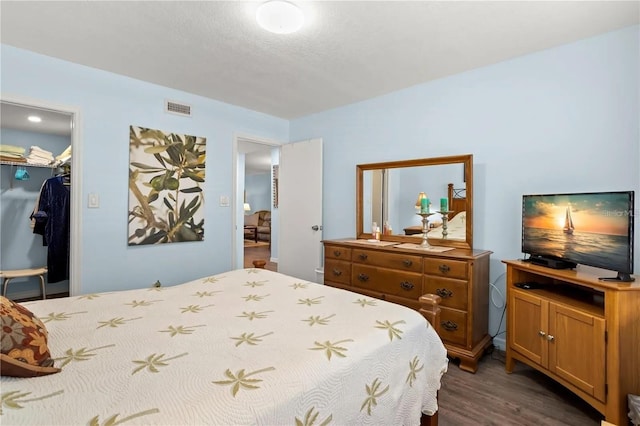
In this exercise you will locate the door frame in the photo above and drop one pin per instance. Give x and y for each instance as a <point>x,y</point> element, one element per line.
<point>75,238</point>
<point>238,193</point>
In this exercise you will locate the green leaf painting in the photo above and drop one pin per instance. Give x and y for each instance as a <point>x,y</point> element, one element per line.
<point>166,187</point>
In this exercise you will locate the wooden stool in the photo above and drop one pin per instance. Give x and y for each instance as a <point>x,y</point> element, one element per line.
<point>7,276</point>
<point>259,263</point>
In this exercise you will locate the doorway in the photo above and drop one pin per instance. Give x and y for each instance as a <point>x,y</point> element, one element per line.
<point>70,116</point>
<point>254,159</point>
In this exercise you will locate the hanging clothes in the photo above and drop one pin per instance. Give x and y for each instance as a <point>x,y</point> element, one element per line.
<point>52,221</point>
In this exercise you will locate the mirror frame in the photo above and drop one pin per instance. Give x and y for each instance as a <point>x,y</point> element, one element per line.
<point>466,160</point>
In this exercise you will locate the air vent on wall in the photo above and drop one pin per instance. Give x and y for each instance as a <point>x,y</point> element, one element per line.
<point>176,108</point>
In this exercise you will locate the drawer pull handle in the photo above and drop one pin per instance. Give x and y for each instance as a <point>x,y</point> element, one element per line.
<point>363,256</point>
<point>550,337</point>
<point>407,263</point>
<point>363,277</point>
<point>449,325</point>
<point>444,293</point>
<point>406,285</point>
<point>542,333</point>
<point>337,253</point>
<point>337,272</point>
<point>444,268</point>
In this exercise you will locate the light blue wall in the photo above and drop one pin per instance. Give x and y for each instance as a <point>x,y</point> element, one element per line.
<point>20,248</point>
<point>109,104</point>
<point>560,120</point>
<point>258,189</point>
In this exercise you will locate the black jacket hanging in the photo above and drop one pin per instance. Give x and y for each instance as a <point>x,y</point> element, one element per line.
<point>53,223</point>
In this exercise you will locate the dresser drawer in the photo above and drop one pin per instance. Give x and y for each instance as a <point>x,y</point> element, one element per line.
<point>453,292</point>
<point>446,268</point>
<point>453,326</point>
<point>337,252</point>
<point>388,281</point>
<point>402,262</point>
<point>337,271</point>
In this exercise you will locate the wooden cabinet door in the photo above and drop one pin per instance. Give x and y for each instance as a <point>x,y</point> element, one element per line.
<point>577,348</point>
<point>529,317</point>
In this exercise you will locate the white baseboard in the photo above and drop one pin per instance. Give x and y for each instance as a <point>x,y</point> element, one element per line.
<point>500,343</point>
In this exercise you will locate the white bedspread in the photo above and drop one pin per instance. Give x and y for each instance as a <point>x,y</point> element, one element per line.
<point>244,347</point>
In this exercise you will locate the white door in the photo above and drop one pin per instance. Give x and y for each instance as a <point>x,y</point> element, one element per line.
<point>300,209</point>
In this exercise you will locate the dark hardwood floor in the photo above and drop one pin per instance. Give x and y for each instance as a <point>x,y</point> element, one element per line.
<point>524,397</point>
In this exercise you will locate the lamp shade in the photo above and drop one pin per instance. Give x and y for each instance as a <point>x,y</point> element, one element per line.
<point>421,196</point>
<point>247,207</point>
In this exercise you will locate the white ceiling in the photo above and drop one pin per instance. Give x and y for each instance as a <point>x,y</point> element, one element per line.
<point>349,50</point>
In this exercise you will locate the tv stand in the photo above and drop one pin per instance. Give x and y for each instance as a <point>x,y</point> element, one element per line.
<point>577,329</point>
<point>551,262</point>
<point>621,277</point>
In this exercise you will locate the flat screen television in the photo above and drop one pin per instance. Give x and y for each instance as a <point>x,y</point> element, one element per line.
<point>595,229</point>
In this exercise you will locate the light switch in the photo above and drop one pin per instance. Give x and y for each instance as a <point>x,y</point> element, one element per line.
<point>224,201</point>
<point>94,201</point>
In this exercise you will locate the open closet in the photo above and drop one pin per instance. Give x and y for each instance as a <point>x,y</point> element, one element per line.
<point>35,199</point>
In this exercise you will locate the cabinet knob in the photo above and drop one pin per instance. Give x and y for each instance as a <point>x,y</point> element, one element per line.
<point>337,272</point>
<point>363,277</point>
<point>406,285</point>
<point>449,325</point>
<point>550,337</point>
<point>407,262</point>
<point>337,253</point>
<point>444,293</point>
<point>542,333</point>
<point>444,268</point>
<point>363,256</point>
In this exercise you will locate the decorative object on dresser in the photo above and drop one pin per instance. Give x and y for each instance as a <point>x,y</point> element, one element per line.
<point>577,329</point>
<point>402,275</point>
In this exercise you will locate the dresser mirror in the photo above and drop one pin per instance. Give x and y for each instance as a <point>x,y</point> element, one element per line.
<point>386,193</point>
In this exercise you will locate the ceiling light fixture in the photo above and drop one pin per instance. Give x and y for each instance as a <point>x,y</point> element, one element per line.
<point>280,17</point>
<point>34,119</point>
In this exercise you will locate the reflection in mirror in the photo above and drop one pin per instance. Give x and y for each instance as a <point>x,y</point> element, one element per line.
<point>388,193</point>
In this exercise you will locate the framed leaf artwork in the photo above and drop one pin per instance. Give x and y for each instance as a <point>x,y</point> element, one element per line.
<point>166,187</point>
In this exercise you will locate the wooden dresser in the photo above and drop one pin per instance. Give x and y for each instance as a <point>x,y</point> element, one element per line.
<point>401,275</point>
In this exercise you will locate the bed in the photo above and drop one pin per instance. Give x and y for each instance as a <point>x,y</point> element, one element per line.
<point>249,346</point>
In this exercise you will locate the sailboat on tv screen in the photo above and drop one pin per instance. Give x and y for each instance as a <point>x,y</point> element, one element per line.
<point>568,222</point>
